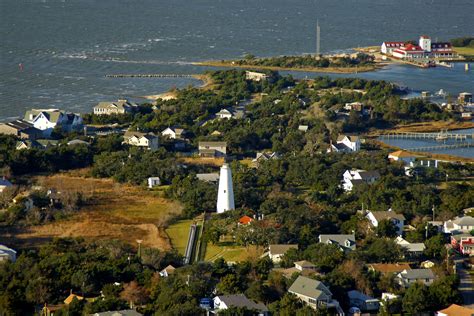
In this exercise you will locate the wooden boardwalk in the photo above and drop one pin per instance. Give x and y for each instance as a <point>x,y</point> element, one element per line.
<point>149,76</point>
<point>413,135</point>
<point>442,147</point>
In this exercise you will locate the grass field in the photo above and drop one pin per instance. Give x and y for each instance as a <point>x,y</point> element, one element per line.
<point>114,211</point>
<point>178,234</point>
<point>465,51</point>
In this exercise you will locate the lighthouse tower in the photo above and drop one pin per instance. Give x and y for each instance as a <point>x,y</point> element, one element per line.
<point>225,195</point>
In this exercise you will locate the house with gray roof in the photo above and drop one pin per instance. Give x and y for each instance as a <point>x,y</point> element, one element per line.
<point>463,224</point>
<point>139,139</point>
<point>346,243</point>
<point>47,119</point>
<point>411,250</point>
<point>363,302</point>
<point>212,149</point>
<point>208,177</point>
<point>173,132</point>
<point>345,143</point>
<point>408,277</point>
<point>4,183</point>
<point>223,302</point>
<point>237,112</point>
<point>354,177</point>
<point>314,293</point>
<point>121,106</point>
<point>21,129</point>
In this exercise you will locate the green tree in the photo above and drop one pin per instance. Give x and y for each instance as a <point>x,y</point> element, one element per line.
<point>416,299</point>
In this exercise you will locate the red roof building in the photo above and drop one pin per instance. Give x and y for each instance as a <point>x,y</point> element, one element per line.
<point>245,220</point>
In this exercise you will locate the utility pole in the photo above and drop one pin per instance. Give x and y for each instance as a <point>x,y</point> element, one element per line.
<point>433,209</point>
<point>139,241</point>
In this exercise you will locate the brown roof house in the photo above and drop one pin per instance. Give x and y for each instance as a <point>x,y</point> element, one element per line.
<point>389,268</point>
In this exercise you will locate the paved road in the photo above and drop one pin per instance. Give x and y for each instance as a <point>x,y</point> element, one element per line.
<point>466,286</point>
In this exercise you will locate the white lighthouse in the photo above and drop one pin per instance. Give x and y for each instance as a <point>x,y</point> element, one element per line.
<point>225,195</point>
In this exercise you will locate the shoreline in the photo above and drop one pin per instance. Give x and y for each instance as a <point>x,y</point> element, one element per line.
<point>337,70</point>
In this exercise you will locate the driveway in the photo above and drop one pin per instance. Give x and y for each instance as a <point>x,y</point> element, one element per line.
<point>466,285</point>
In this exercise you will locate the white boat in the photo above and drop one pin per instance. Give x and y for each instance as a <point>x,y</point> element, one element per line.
<point>441,93</point>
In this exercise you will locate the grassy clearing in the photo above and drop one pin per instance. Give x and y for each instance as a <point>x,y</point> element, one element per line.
<point>232,253</point>
<point>465,51</point>
<point>114,211</point>
<point>213,162</point>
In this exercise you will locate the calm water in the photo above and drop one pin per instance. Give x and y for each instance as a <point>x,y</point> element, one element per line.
<point>67,46</point>
<point>415,143</point>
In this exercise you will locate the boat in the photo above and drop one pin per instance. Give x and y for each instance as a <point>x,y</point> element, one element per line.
<point>441,93</point>
<point>441,138</point>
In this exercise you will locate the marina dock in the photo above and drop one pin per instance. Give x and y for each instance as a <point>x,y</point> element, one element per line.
<point>442,147</point>
<point>149,76</point>
<point>414,135</point>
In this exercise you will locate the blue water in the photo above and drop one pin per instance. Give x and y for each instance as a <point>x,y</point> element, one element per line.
<point>416,143</point>
<point>68,46</point>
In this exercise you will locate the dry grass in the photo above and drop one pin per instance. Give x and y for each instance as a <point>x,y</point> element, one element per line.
<point>435,126</point>
<point>465,51</point>
<point>214,162</point>
<point>115,211</point>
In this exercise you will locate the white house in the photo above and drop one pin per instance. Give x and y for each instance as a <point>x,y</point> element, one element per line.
<point>173,132</point>
<point>408,277</point>
<point>276,252</point>
<point>314,293</point>
<point>375,217</point>
<point>121,106</point>
<point>47,119</point>
<point>355,177</point>
<point>256,76</point>
<point>387,48</point>
<point>4,183</point>
<point>7,254</point>
<point>148,140</point>
<point>402,156</point>
<point>463,224</point>
<point>345,144</point>
<point>235,112</point>
<point>223,302</point>
<point>153,182</point>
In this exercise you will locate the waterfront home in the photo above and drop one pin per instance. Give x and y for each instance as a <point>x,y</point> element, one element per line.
<point>212,149</point>
<point>146,140</point>
<point>4,183</point>
<point>314,293</point>
<point>208,177</point>
<point>345,143</point>
<point>256,76</point>
<point>387,48</point>
<point>21,129</point>
<point>166,272</point>
<point>411,250</point>
<point>424,49</point>
<point>7,254</point>
<point>375,217</point>
<point>277,251</point>
<point>223,302</point>
<point>363,301</point>
<point>153,182</point>
<point>388,268</point>
<point>455,310</point>
<point>354,177</point>
<point>464,243</point>
<point>463,224</point>
<point>345,243</point>
<point>173,132</point>
<point>408,277</point>
<point>121,106</point>
<point>47,119</point>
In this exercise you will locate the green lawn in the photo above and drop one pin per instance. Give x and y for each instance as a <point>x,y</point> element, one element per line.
<point>178,233</point>
<point>231,253</point>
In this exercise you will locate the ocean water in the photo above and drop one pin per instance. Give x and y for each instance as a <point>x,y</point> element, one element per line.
<point>67,47</point>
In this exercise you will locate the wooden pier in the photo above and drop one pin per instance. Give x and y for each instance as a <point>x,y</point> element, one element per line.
<point>442,147</point>
<point>149,76</point>
<point>439,136</point>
